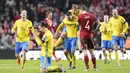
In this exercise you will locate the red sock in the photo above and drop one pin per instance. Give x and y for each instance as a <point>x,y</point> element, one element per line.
<point>86,60</point>
<point>94,62</point>
<point>54,55</point>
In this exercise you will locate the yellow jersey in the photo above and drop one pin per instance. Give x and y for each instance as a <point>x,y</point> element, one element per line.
<point>71,28</point>
<point>47,46</point>
<point>118,25</point>
<point>105,31</point>
<point>75,14</point>
<point>22,29</point>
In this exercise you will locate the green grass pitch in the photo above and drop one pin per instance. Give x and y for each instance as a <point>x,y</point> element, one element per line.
<point>32,66</point>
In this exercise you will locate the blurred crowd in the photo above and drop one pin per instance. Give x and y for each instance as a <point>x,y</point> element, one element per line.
<point>36,9</point>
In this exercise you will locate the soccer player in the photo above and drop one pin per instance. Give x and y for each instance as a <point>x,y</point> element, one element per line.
<point>21,28</point>
<point>47,49</point>
<point>71,31</point>
<point>52,28</point>
<point>86,21</point>
<point>118,27</point>
<point>75,12</point>
<point>106,38</point>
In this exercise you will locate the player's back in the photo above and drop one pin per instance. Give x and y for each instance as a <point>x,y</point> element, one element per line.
<point>47,47</point>
<point>86,22</point>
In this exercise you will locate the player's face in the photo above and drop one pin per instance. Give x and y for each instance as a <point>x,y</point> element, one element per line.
<point>39,28</point>
<point>75,9</point>
<point>50,16</point>
<point>23,14</point>
<point>115,13</point>
<point>69,17</point>
<point>106,18</point>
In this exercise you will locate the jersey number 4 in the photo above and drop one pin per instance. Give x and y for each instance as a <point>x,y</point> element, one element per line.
<point>87,26</point>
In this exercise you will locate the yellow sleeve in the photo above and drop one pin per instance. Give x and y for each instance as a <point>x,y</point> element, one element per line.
<point>125,27</point>
<point>39,42</point>
<point>14,27</point>
<point>60,27</point>
<point>30,24</point>
<point>101,28</point>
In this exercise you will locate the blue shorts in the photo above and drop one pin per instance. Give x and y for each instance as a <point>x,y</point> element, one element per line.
<point>118,41</point>
<point>45,62</point>
<point>70,44</point>
<point>19,46</point>
<point>106,44</point>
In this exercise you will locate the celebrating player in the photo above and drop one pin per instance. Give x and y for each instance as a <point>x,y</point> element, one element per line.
<point>118,27</point>
<point>106,38</point>
<point>86,21</point>
<point>52,28</point>
<point>21,28</point>
<point>71,31</point>
<point>47,48</point>
<point>75,12</point>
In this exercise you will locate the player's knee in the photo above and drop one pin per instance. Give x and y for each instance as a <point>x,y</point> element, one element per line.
<point>115,47</point>
<point>65,52</point>
<point>17,56</point>
<point>85,53</point>
<point>92,55</point>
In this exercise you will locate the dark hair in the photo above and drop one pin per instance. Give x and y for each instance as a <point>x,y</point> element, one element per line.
<point>43,24</point>
<point>47,13</point>
<point>83,7</point>
<point>68,14</point>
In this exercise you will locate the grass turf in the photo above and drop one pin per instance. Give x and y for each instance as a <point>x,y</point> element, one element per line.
<point>32,66</point>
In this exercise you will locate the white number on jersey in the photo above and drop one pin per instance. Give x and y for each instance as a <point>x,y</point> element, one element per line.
<point>87,26</point>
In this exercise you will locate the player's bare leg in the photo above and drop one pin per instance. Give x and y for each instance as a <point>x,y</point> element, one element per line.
<point>42,70</point>
<point>105,55</point>
<point>61,39</point>
<point>116,54</point>
<point>93,58</point>
<point>18,58</point>
<point>110,52</point>
<point>86,59</point>
<point>56,59</point>
<point>123,50</point>
<point>56,44</point>
<point>23,59</point>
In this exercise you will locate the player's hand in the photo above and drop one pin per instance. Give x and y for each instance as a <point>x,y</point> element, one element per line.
<point>35,33</point>
<point>77,23</point>
<point>56,35</point>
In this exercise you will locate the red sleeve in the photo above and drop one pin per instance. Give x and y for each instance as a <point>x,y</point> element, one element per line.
<point>79,17</point>
<point>54,27</point>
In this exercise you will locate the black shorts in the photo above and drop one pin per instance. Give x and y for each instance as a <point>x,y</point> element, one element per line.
<point>87,43</point>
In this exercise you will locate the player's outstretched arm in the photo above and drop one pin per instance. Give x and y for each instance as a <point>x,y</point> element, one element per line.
<point>35,34</point>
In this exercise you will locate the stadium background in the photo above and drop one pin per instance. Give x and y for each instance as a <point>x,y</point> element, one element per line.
<point>36,9</point>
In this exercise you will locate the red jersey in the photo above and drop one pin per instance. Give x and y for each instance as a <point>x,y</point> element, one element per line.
<point>86,21</point>
<point>51,26</point>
